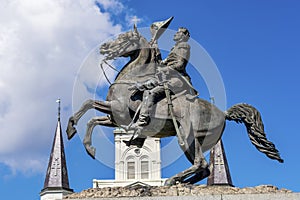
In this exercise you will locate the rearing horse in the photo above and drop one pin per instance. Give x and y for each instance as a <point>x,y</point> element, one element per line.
<point>200,123</point>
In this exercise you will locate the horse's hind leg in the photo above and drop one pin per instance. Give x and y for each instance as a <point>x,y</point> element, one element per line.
<point>102,106</point>
<point>198,176</point>
<point>87,141</point>
<point>198,171</point>
<point>190,155</point>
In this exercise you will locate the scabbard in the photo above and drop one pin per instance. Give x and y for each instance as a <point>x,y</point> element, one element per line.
<point>170,108</point>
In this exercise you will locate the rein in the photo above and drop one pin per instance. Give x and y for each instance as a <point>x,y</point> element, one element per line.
<point>120,81</point>
<point>111,56</point>
<point>103,71</point>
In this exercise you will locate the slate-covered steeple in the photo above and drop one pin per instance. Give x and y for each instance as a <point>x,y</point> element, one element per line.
<point>220,174</point>
<point>57,181</point>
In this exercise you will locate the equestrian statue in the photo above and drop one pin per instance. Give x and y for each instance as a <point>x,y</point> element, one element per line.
<point>155,97</point>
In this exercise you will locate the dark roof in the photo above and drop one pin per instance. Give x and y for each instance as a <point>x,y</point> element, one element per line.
<point>57,173</point>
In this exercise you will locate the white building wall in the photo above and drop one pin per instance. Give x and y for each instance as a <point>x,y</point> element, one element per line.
<point>123,155</point>
<point>54,194</point>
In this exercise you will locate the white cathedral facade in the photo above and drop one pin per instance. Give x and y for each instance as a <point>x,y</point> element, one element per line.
<point>133,165</point>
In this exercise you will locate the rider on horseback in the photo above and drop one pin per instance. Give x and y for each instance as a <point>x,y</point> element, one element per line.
<point>154,88</point>
<point>197,123</point>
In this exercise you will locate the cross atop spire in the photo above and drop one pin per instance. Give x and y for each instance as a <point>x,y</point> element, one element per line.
<point>58,113</point>
<point>57,180</point>
<point>135,20</point>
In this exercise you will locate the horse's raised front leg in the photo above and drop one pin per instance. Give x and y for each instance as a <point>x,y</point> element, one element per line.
<point>102,106</point>
<point>198,171</point>
<point>87,141</point>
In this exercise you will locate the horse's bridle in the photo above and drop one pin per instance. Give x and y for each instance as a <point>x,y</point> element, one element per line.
<point>111,56</point>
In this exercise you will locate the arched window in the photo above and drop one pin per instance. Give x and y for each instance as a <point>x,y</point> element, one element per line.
<point>131,169</point>
<point>145,168</point>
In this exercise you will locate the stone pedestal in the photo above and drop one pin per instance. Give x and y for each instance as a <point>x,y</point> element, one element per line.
<point>181,192</point>
<point>292,196</point>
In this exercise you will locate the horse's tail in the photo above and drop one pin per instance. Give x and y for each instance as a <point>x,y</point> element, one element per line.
<point>247,114</point>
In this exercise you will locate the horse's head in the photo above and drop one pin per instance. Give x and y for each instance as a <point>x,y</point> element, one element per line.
<point>132,44</point>
<point>126,44</point>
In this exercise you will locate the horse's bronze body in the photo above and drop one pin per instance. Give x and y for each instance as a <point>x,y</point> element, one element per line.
<point>201,124</point>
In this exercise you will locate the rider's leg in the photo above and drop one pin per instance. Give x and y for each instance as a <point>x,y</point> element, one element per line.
<point>149,98</point>
<point>144,112</point>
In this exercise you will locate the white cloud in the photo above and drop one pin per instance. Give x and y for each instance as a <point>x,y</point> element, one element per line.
<point>112,5</point>
<point>42,44</point>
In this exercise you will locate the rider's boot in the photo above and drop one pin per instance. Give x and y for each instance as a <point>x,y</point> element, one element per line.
<point>144,116</point>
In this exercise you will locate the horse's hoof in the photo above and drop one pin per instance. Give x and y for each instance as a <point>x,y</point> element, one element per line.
<point>206,173</point>
<point>91,151</point>
<point>71,130</point>
<point>170,182</point>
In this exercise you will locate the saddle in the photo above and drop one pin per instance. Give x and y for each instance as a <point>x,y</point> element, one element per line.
<point>160,109</point>
<point>181,92</point>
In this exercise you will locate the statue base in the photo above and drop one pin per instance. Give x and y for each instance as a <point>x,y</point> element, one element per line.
<point>186,192</point>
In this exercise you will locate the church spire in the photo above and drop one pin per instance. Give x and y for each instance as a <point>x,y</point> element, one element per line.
<point>220,174</point>
<point>57,180</point>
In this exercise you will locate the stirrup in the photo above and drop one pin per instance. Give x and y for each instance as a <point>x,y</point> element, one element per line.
<point>128,127</point>
<point>139,125</point>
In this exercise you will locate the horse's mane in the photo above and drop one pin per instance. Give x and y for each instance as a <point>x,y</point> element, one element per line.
<point>143,44</point>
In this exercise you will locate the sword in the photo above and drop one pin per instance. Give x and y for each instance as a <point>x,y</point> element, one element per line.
<point>170,108</point>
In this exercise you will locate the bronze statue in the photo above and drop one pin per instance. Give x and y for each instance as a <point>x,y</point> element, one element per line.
<point>154,88</point>
<point>195,122</point>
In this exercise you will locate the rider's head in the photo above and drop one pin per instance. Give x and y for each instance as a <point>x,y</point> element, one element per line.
<point>182,35</point>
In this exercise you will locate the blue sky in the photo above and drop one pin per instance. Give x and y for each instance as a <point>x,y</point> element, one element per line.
<point>254,44</point>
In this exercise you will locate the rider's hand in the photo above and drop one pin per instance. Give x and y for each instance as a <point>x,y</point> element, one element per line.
<point>137,86</point>
<point>163,69</point>
<point>132,88</point>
